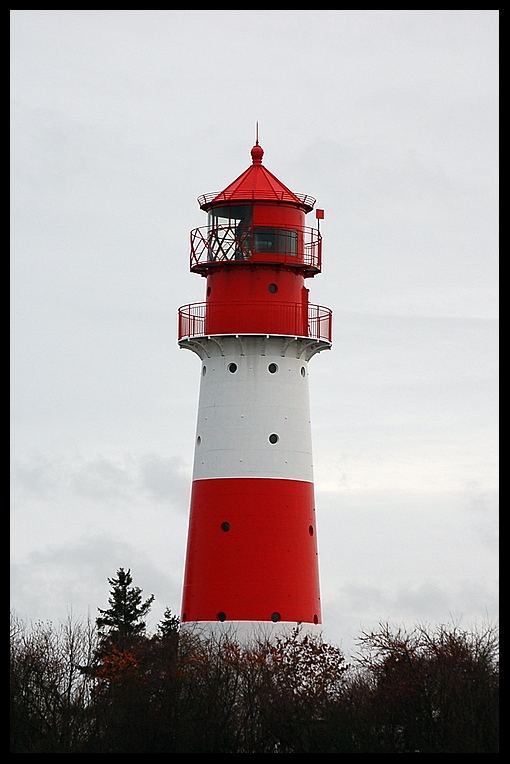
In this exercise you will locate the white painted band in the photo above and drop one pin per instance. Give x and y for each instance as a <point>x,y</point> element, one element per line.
<point>248,633</point>
<point>243,406</point>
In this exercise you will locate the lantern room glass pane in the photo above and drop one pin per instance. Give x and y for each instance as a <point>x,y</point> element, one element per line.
<point>230,215</point>
<point>229,232</point>
<point>280,240</point>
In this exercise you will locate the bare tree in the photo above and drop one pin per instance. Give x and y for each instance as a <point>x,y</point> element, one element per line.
<point>49,695</point>
<point>434,691</point>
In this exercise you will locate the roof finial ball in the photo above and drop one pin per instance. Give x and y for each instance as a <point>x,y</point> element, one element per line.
<point>257,153</point>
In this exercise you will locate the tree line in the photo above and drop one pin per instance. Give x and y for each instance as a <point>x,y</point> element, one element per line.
<point>110,687</point>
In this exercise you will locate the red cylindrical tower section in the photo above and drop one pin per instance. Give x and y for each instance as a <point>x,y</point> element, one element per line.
<point>252,553</point>
<point>262,300</point>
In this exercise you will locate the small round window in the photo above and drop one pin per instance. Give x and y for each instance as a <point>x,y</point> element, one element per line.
<point>272,368</point>
<point>204,370</point>
<point>232,367</point>
<point>275,617</point>
<point>199,440</point>
<point>225,527</point>
<point>303,371</point>
<point>273,438</point>
<point>273,288</point>
<point>221,616</point>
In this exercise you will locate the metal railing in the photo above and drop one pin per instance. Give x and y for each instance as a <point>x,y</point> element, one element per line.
<point>204,200</point>
<point>235,244</point>
<point>320,322</point>
<point>201,319</point>
<point>192,320</point>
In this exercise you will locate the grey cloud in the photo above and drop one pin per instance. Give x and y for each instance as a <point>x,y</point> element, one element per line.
<point>356,606</point>
<point>357,596</point>
<point>483,511</point>
<point>38,476</point>
<point>414,602</point>
<point>101,479</point>
<point>478,501</point>
<point>165,480</point>
<point>423,601</point>
<point>59,577</point>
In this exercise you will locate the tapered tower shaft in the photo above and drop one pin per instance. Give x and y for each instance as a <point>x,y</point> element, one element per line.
<point>252,539</point>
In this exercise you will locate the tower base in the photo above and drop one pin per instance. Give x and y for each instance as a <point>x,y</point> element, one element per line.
<point>248,633</point>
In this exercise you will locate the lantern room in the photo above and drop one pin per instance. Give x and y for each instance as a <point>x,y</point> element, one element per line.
<point>256,253</point>
<point>256,219</point>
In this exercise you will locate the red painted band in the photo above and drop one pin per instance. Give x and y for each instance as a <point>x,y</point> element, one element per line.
<point>252,552</point>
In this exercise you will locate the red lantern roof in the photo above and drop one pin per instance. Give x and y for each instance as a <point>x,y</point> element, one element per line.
<point>257,183</point>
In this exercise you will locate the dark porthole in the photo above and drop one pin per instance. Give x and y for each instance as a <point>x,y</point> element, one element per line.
<point>275,617</point>
<point>273,288</point>
<point>303,371</point>
<point>273,438</point>
<point>199,440</point>
<point>310,530</point>
<point>204,370</point>
<point>272,368</point>
<point>221,616</point>
<point>225,527</point>
<point>316,619</point>
<point>232,367</point>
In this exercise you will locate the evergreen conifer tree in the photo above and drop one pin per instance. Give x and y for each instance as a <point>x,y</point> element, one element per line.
<point>126,612</point>
<point>169,625</point>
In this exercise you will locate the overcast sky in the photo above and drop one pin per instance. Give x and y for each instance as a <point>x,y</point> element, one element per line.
<point>389,118</point>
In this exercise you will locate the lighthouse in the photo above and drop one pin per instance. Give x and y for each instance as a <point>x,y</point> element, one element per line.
<point>252,537</point>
